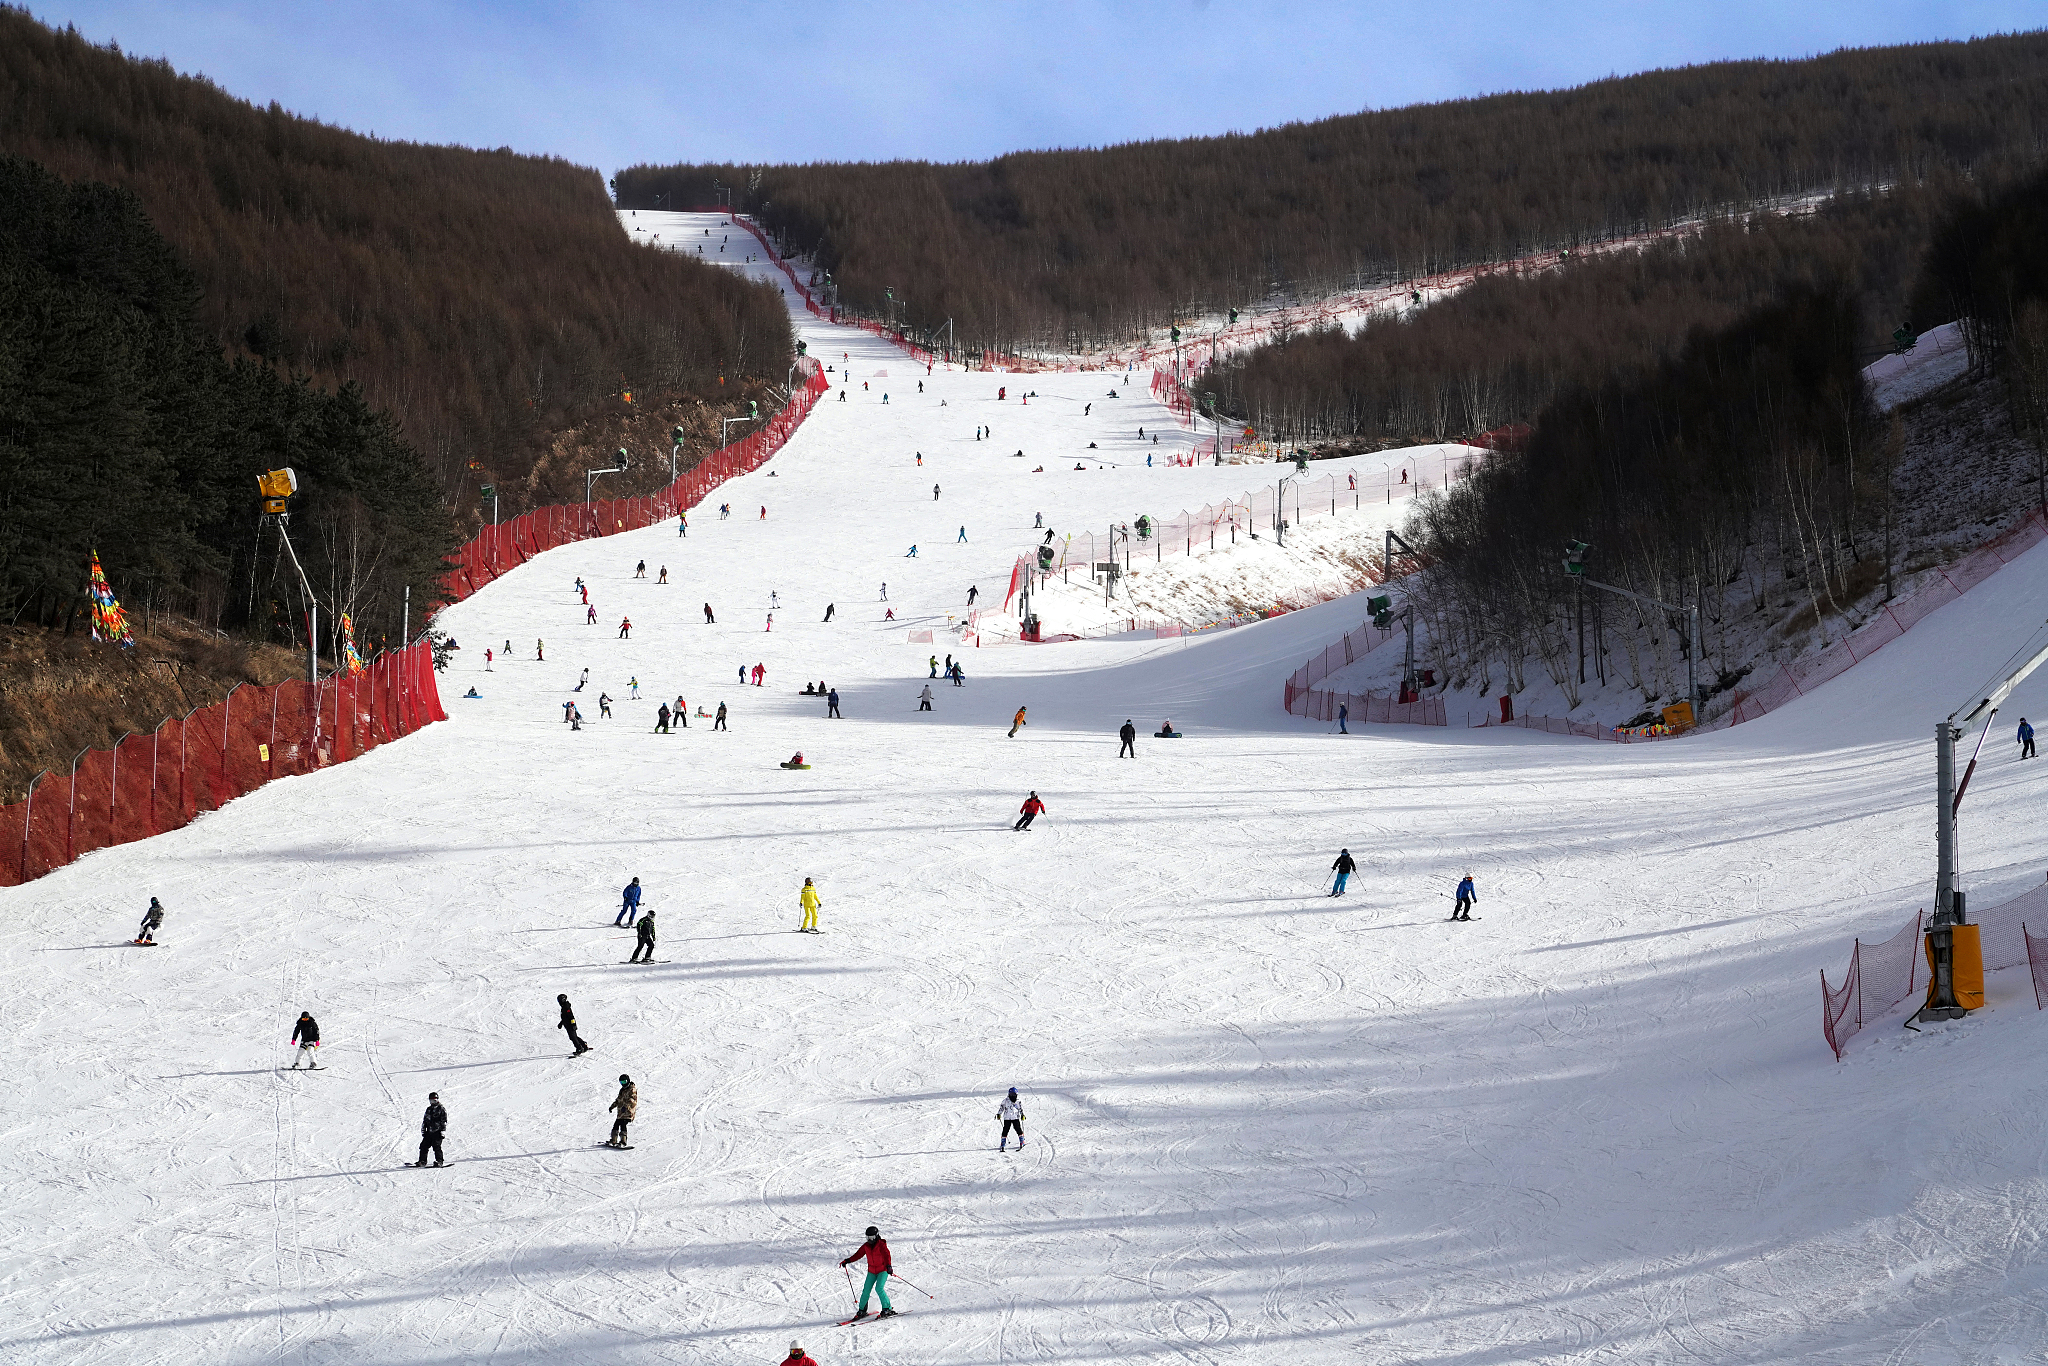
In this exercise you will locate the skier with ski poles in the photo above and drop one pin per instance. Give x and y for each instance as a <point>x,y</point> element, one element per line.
<point>876,1253</point>
<point>626,1105</point>
<point>2026,738</point>
<point>306,1034</point>
<point>1028,812</point>
<point>1011,1113</point>
<point>629,905</point>
<point>646,944</point>
<point>1468,897</point>
<point>808,899</point>
<point>433,1125</point>
<point>1344,867</point>
<point>151,918</point>
<point>568,1022</point>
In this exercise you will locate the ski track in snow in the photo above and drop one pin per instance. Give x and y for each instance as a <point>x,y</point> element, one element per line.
<point>1597,1124</point>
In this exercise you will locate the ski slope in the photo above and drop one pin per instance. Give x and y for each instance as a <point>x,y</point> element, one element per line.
<point>1597,1124</point>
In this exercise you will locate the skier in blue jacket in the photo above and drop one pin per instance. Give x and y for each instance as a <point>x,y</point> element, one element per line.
<point>629,908</point>
<point>1467,899</point>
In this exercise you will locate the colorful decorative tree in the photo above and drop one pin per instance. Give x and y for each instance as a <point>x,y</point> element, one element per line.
<point>109,621</point>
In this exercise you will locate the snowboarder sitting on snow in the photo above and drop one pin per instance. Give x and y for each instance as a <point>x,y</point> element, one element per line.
<point>1011,1113</point>
<point>810,691</point>
<point>879,1266</point>
<point>1166,731</point>
<point>433,1124</point>
<point>1345,867</point>
<point>646,944</point>
<point>1467,899</point>
<point>1032,806</point>
<point>151,918</point>
<point>306,1034</point>
<point>627,1106</point>
<point>796,760</point>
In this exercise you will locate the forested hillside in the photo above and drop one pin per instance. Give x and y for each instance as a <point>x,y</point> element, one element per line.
<point>1065,249</point>
<point>1747,471</point>
<point>487,301</point>
<point>1496,352</point>
<point>124,428</point>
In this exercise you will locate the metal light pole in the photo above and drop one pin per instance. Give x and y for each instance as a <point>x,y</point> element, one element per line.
<point>591,476</point>
<point>725,422</point>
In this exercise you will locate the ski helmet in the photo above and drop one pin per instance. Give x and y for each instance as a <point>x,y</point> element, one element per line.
<point>433,1095</point>
<point>625,1080</point>
<point>874,1232</point>
<point>1013,1093</point>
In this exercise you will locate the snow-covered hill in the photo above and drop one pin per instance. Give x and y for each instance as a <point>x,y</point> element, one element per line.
<point>1264,1126</point>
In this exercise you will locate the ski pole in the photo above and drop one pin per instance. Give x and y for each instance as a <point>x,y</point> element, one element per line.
<point>918,1288</point>
<point>851,1293</point>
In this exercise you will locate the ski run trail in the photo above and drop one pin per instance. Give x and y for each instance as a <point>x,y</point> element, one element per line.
<point>1598,1124</point>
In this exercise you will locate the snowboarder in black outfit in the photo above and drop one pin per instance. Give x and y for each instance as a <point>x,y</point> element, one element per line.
<point>828,611</point>
<point>433,1124</point>
<point>709,620</point>
<point>306,1034</point>
<point>626,1105</point>
<point>1467,899</point>
<point>718,722</point>
<point>646,944</point>
<point>832,703</point>
<point>568,1022</point>
<point>1127,733</point>
<point>661,720</point>
<point>1344,868</point>
<point>151,918</point>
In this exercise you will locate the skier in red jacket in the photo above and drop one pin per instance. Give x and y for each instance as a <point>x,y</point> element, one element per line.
<point>877,1253</point>
<point>1032,806</point>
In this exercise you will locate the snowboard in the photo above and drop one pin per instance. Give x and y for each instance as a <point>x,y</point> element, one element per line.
<point>143,943</point>
<point>618,1147</point>
<point>792,765</point>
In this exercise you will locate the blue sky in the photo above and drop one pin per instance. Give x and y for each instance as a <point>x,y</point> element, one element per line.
<point>609,83</point>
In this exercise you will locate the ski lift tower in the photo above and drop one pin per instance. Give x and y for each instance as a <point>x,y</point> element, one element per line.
<point>1951,939</point>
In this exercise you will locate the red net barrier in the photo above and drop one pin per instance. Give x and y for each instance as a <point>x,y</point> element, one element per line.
<point>146,784</point>
<point>2037,966</point>
<point>1317,704</point>
<point>1885,974</point>
<point>1879,977</point>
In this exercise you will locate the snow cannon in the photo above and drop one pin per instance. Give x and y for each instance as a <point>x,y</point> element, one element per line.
<point>276,486</point>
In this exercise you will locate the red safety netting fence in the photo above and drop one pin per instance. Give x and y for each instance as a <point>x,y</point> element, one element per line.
<point>1302,698</point>
<point>1191,531</point>
<point>1891,622</point>
<point>2037,966</point>
<point>147,784</point>
<point>1882,975</point>
<point>502,548</point>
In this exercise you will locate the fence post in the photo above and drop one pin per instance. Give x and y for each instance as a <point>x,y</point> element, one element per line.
<point>156,739</point>
<point>71,815</point>
<point>28,810</point>
<point>113,786</point>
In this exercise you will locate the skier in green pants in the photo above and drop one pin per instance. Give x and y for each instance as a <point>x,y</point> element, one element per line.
<point>877,1253</point>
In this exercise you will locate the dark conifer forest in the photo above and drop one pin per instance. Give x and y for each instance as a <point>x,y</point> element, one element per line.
<point>1069,249</point>
<point>487,302</point>
<point>124,428</point>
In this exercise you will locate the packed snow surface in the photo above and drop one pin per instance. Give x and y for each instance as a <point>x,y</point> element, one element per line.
<point>1596,1124</point>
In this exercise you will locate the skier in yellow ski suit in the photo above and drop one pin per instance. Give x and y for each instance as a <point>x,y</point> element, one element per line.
<point>809,898</point>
